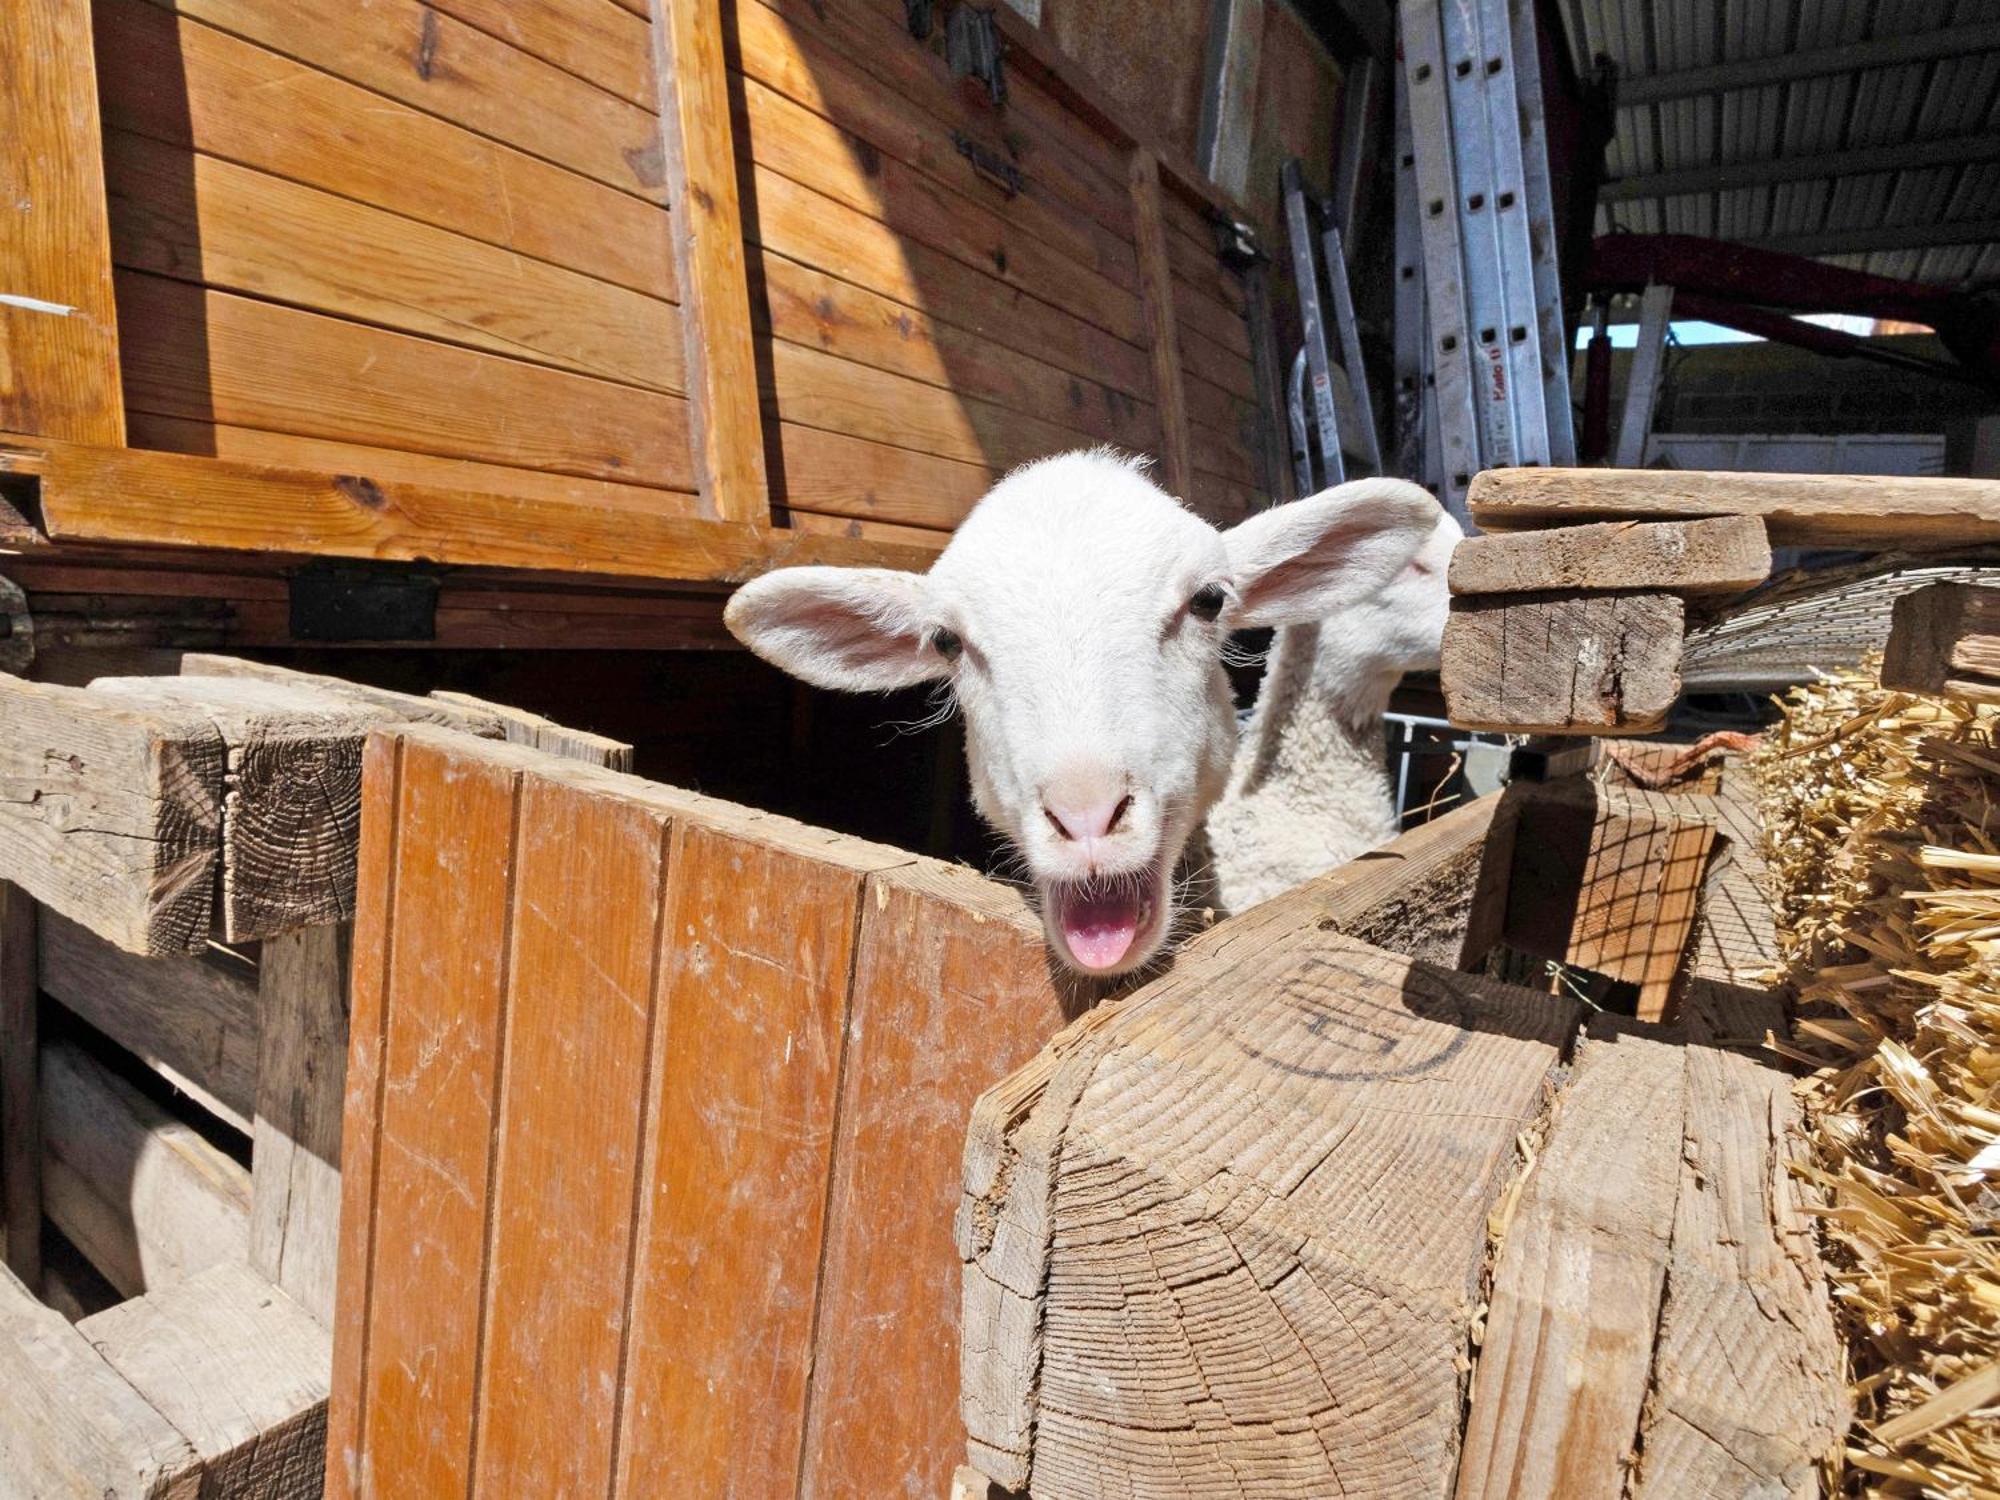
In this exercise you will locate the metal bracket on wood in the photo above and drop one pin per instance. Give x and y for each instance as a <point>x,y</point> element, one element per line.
<point>972,48</point>
<point>346,601</point>
<point>1236,242</point>
<point>988,163</point>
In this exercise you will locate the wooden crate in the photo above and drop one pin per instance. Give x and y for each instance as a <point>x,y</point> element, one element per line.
<point>177,867</point>
<point>675,291</point>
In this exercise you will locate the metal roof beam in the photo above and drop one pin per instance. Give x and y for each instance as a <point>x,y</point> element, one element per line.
<point>1716,179</point>
<point>1756,72</point>
<point>1866,240</point>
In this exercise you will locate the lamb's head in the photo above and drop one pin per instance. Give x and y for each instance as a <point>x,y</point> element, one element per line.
<point>1078,618</point>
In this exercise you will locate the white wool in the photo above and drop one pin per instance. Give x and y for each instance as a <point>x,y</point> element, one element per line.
<point>1089,681</point>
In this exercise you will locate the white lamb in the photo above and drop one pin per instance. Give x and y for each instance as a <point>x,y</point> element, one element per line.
<point>1079,617</point>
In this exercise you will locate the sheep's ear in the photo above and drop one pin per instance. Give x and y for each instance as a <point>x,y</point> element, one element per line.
<point>1297,563</point>
<point>858,629</point>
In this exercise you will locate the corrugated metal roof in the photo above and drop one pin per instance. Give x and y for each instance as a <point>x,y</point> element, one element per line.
<point>1932,223</point>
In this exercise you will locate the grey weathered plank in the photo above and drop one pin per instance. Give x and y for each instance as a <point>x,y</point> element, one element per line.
<point>111,814</point>
<point>1723,555</point>
<point>1563,664</point>
<point>406,706</point>
<point>524,728</point>
<point>1945,639</point>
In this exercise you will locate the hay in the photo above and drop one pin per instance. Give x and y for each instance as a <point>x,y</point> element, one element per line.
<point>1883,817</point>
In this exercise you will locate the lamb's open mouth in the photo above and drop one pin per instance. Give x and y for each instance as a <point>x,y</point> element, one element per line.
<point>1106,924</point>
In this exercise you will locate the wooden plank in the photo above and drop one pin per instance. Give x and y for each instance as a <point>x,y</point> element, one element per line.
<point>291,792</point>
<point>1563,1369</point>
<point>361,1112</point>
<point>441,1019</point>
<point>1945,639</point>
<point>191,1020</point>
<point>1162,326</point>
<point>834,474</point>
<point>916,536</point>
<point>1186,1264</point>
<point>242,103</point>
<point>295,1145</point>
<point>595,41</point>
<point>115,494</point>
<point>747,1065</point>
<point>1749,1383</point>
<point>430,60</point>
<point>523,728</point>
<point>237,1368</point>
<point>58,331</point>
<point>73,1427</point>
<point>472,719</point>
<point>1556,664</point>
<point>111,815</point>
<point>1609,881</point>
<point>194,217</point>
<point>1721,556</point>
<point>214,356</point>
<point>726,427</point>
<point>587,878</point>
<point>20,1087</point>
<point>142,1194</point>
<point>1799,510</point>
<point>951,989</point>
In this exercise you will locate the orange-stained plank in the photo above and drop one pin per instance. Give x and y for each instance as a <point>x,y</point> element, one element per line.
<point>58,328</point>
<point>375,904</point>
<point>726,422</point>
<point>951,993</point>
<point>588,884</point>
<point>754,994</point>
<point>442,1022</point>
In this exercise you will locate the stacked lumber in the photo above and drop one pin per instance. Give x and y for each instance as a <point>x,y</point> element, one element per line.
<point>1236,1234</point>
<point>1568,616</point>
<point>178,866</point>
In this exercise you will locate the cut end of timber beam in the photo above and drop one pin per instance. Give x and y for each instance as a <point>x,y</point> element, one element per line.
<point>1945,639</point>
<point>1554,664</point>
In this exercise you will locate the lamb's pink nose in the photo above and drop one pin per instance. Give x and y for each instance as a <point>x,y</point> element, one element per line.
<point>1079,820</point>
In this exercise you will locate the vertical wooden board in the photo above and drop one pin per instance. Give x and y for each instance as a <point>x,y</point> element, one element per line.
<point>587,897</point>
<point>374,909</point>
<point>724,420</point>
<point>58,328</point>
<point>442,1014</point>
<point>20,1101</point>
<point>1162,331</point>
<point>951,992</point>
<point>758,951</point>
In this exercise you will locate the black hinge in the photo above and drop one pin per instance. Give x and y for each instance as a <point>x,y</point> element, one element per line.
<point>972,48</point>
<point>343,601</point>
<point>1236,243</point>
<point>988,163</point>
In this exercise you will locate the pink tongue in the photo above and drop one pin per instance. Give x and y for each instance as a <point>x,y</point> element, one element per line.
<point>1100,929</point>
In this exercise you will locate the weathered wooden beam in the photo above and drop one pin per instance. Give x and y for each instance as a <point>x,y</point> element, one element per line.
<point>58,324</point>
<point>112,814</point>
<point>470,717</point>
<point>238,1369</point>
<point>291,808</point>
<point>141,1194</point>
<point>1945,639</point>
<point>1799,510</point>
<point>724,416</point>
<point>1563,664</point>
<point>191,1020</point>
<point>93,493</point>
<point>20,1102</point>
<point>1131,1325</point>
<point>295,1146</point>
<point>520,727</point>
<point>1156,281</point>
<point>1724,555</point>
<point>1609,881</point>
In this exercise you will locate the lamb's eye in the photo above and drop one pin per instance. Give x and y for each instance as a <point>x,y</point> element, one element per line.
<point>1207,602</point>
<point>947,644</point>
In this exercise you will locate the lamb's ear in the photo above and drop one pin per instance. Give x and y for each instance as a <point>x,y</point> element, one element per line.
<point>1297,563</point>
<point>859,629</point>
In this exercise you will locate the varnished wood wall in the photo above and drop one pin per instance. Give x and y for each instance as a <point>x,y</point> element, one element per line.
<point>653,1130</point>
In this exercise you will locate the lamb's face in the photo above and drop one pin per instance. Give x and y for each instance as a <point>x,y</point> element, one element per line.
<point>1078,618</point>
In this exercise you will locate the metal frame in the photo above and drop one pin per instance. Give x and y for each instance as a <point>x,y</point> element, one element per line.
<point>1350,347</point>
<point>1305,279</point>
<point>1642,386</point>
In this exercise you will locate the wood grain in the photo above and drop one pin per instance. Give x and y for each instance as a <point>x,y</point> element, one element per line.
<point>191,1020</point>
<point>523,728</point>
<point>726,428</point>
<point>1563,664</point>
<point>1721,556</point>
<point>1799,510</point>
<point>58,330</point>
<point>20,1088</point>
<point>1945,639</point>
<point>1162,325</point>
<point>595,41</point>
<point>302,1031</point>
